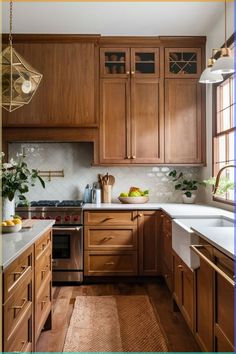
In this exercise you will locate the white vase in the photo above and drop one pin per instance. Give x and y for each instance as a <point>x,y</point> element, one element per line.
<point>188,200</point>
<point>8,208</point>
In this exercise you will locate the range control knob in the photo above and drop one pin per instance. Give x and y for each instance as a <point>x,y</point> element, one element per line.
<point>34,217</point>
<point>58,218</point>
<point>76,218</point>
<point>67,218</point>
<point>42,217</point>
<point>48,217</point>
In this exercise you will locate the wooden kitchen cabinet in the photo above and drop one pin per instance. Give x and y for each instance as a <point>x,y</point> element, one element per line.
<point>183,289</point>
<point>125,137</point>
<point>214,300</point>
<point>27,297</point>
<point>183,62</point>
<point>184,122</point>
<point>129,62</point>
<point>149,228</point>
<point>122,243</point>
<point>67,94</point>
<point>166,251</point>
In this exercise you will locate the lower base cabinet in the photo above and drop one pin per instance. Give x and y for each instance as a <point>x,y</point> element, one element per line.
<point>27,296</point>
<point>122,243</point>
<point>183,291</point>
<point>214,328</point>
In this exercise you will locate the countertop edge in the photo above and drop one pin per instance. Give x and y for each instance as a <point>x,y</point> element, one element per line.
<point>24,248</point>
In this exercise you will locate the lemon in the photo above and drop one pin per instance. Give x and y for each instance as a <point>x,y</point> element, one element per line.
<point>4,223</point>
<point>9,223</point>
<point>17,221</point>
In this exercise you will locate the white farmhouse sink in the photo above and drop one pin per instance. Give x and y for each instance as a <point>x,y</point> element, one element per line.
<point>183,236</point>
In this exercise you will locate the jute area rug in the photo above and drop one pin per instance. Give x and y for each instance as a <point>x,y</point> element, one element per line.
<point>114,324</point>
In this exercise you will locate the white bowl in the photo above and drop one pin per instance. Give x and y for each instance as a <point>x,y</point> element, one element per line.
<point>133,200</point>
<point>11,229</point>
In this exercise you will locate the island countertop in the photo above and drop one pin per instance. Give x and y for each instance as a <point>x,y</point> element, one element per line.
<point>14,244</point>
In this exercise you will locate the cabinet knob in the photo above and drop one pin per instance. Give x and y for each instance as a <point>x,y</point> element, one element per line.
<point>127,72</point>
<point>140,215</point>
<point>133,157</point>
<point>132,72</point>
<point>180,266</point>
<point>128,157</point>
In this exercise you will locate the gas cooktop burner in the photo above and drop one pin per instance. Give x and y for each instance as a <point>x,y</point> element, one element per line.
<point>70,203</point>
<point>45,203</point>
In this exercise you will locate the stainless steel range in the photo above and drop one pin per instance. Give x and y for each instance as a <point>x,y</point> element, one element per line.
<point>67,250</point>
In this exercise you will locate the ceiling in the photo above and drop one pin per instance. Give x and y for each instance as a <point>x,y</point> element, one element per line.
<point>113,18</point>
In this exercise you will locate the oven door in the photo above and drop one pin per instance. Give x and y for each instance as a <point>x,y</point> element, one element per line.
<point>67,254</point>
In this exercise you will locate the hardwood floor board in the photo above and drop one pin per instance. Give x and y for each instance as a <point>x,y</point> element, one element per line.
<point>179,336</point>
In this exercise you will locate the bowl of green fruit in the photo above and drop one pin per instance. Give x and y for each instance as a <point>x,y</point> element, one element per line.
<point>134,196</point>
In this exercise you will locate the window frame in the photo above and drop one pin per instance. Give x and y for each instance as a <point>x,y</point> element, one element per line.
<point>230,41</point>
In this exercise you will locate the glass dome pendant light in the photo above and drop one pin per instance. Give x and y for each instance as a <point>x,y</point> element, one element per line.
<point>225,64</point>
<point>209,77</point>
<point>19,79</point>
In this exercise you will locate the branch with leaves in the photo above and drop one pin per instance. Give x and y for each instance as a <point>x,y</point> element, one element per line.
<point>16,178</point>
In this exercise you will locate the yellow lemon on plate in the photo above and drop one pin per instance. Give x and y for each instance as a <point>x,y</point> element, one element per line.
<point>9,223</point>
<point>4,223</point>
<point>17,221</point>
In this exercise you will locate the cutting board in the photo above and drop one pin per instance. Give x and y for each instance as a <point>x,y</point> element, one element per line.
<point>28,223</point>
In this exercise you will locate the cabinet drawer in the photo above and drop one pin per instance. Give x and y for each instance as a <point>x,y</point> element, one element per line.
<point>101,218</point>
<point>43,269</point>
<point>42,243</point>
<point>16,272</point>
<point>108,238</point>
<point>110,263</point>
<point>21,339</point>
<point>42,307</point>
<point>17,304</point>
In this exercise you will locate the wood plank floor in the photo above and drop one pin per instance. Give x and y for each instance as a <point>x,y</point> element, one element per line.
<point>179,336</point>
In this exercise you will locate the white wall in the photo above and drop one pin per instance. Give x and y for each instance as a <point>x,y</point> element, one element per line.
<point>215,39</point>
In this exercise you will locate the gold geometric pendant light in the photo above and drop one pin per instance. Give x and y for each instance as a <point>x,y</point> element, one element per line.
<point>19,79</point>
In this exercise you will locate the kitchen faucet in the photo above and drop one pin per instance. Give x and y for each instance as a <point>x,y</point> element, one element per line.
<point>218,177</point>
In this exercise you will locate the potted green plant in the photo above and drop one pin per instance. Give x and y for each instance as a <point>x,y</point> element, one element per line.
<point>16,178</point>
<point>187,186</point>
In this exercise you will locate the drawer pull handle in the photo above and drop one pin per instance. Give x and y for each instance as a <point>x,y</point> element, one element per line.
<point>108,238</point>
<point>109,263</point>
<point>16,308</point>
<point>20,307</point>
<point>211,264</point>
<point>19,273</point>
<point>108,218</point>
<point>180,266</point>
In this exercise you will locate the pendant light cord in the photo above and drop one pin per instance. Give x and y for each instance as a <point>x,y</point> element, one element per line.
<point>10,22</point>
<point>225,27</point>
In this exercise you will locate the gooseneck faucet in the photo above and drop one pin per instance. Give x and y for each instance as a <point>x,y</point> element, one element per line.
<point>218,176</point>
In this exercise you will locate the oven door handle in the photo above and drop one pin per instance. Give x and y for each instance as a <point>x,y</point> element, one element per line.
<point>67,228</point>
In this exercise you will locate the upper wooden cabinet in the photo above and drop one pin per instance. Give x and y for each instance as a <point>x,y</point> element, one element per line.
<point>184,122</point>
<point>125,136</point>
<point>66,96</point>
<point>126,62</point>
<point>183,62</point>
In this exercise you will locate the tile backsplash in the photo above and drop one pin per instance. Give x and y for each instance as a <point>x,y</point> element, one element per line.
<point>75,159</point>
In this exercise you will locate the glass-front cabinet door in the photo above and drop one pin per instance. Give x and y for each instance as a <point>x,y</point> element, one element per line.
<point>114,62</point>
<point>145,62</point>
<point>182,62</point>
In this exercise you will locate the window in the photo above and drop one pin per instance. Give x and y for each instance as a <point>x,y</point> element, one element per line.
<point>224,132</point>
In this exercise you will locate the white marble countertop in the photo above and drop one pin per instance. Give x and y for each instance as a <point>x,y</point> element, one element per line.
<point>174,210</point>
<point>221,238</point>
<point>16,243</point>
